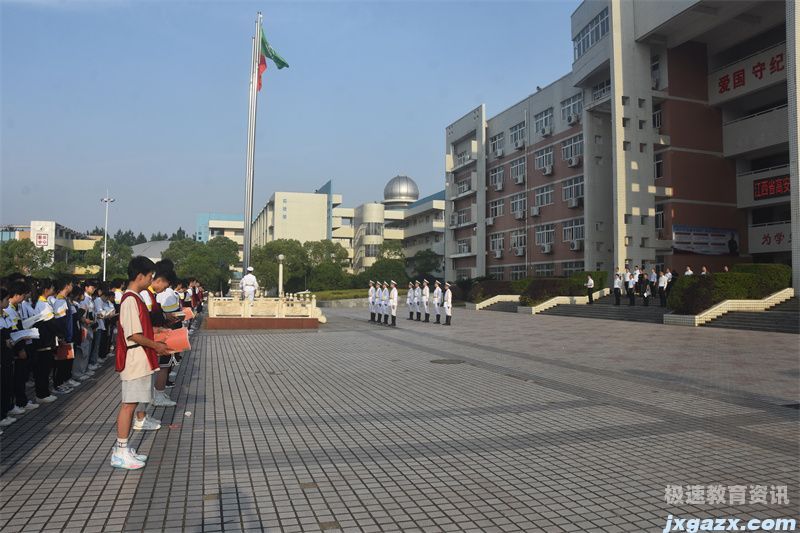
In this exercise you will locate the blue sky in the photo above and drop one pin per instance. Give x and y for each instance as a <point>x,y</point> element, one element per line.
<point>149,99</point>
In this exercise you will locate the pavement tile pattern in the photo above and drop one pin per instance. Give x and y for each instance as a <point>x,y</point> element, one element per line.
<point>538,423</point>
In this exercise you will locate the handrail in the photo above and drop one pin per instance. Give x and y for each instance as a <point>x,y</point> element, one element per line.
<point>760,170</point>
<point>756,114</point>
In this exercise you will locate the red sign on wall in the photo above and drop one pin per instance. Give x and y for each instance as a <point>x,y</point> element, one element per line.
<point>41,239</point>
<point>770,187</point>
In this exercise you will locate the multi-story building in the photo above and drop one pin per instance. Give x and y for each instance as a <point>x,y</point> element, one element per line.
<point>63,241</point>
<point>668,143</point>
<point>210,225</point>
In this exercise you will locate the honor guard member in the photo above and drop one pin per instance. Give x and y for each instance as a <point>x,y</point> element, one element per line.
<point>393,303</point>
<point>426,296</point>
<point>417,300</point>
<point>249,285</point>
<point>385,298</point>
<point>448,304</point>
<point>377,304</point>
<point>371,298</point>
<point>410,300</point>
<point>437,301</point>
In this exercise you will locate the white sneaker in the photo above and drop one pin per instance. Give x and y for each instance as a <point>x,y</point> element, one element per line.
<point>124,459</point>
<point>72,383</point>
<point>7,421</point>
<point>146,424</point>
<point>31,406</point>
<point>63,389</point>
<point>138,456</point>
<point>83,377</point>
<point>47,399</point>
<point>160,399</point>
<point>93,367</point>
<point>17,410</point>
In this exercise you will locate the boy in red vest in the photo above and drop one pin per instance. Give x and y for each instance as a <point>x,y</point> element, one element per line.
<point>137,359</point>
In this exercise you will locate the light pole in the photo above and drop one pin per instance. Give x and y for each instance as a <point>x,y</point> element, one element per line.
<point>281,257</point>
<point>107,200</point>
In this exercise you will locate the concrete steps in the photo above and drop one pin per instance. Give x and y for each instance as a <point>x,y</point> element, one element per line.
<point>506,307</point>
<point>604,308</point>
<point>783,318</point>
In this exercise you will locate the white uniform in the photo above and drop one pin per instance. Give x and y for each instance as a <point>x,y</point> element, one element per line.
<point>437,300</point>
<point>410,299</point>
<point>168,300</point>
<point>448,302</point>
<point>249,286</point>
<point>426,296</point>
<point>417,299</point>
<point>385,300</point>
<point>371,299</point>
<point>393,301</point>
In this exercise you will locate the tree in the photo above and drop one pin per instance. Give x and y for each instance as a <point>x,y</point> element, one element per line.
<point>178,235</point>
<point>126,238</point>
<point>96,231</point>
<point>426,262</point>
<point>58,269</point>
<point>140,239</point>
<point>319,252</point>
<point>391,249</point>
<point>159,236</point>
<point>387,270</point>
<point>118,256</point>
<point>264,260</point>
<point>23,256</point>
<point>328,276</point>
<point>180,251</point>
<point>210,263</point>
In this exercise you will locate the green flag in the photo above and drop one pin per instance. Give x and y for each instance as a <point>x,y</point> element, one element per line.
<point>268,52</point>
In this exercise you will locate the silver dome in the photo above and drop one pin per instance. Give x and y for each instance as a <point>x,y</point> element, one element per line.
<point>401,190</point>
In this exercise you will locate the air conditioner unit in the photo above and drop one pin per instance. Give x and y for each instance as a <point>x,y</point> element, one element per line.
<point>498,185</point>
<point>498,253</point>
<point>547,170</point>
<point>519,180</point>
<point>574,161</point>
<point>573,203</point>
<point>545,132</point>
<point>519,251</point>
<point>576,246</point>
<point>519,145</point>
<point>519,215</point>
<point>489,221</point>
<point>536,211</point>
<point>498,153</point>
<point>547,248</point>
<point>453,220</point>
<point>573,119</point>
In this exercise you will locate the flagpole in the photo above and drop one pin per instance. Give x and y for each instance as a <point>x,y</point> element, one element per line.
<point>251,145</point>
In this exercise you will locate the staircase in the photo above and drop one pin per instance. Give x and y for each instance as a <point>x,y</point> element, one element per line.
<point>506,307</point>
<point>783,318</point>
<point>604,308</point>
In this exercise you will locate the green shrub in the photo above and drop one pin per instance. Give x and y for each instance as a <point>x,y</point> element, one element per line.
<point>519,286</point>
<point>734,286</point>
<point>779,275</point>
<point>538,290</point>
<point>487,288</point>
<point>691,294</point>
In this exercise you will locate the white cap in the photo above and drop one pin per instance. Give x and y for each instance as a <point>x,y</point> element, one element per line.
<point>249,269</point>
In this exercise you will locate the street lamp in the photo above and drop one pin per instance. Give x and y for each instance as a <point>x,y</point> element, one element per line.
<point>281,257</point>
<point>107,200</point>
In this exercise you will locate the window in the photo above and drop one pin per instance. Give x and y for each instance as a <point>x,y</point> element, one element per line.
<point>496,208</point>
<point>496,273</point>
<point>518,132</point>
<point>462,273</point>
<point>496,142</point>
<point>659,216</point>
<point>572,230</point>
<point>572,147</point>
<point>571,106</point>
<point>496,241</point>
<point>543,195</point>
<point>518,169</point>
<point>601,90</point>
<point>461,158</point>
<point>373,228</point>
<point>463,216</point>
<point>573,267</point>
<point>464,246</point>
<point>657,116</point>
<point>572,188</point>
<point>543,158</point>
<point>658,166</point>
<point>591,34</point>
<point>372,250</point>
<point>518,272</point>
<point>543,120</point>
<point>655,66</point>
<point>519,239</point>
<point>545,234</point>
<point>519,203</point>
<point>544,269</point>
<point>463,186</point>
<point>496,176</point>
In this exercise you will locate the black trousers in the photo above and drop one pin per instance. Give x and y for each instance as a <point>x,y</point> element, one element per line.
<point>61,371</point>
<point>617,295</point>
<point>44,363</point>
<point>21,370</point>
<point>631,296</point>
<point>662,295</point>
<point>6,383</point>
<point>589,294</point>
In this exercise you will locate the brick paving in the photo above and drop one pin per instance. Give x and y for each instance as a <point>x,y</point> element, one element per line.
<point>500,423</point>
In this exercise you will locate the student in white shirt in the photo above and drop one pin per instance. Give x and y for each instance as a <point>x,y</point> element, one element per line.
<point>617,288</point>
<point>688,271</point>
<point>589,288</point>
<point>631,290</point>
<point>662,289</point>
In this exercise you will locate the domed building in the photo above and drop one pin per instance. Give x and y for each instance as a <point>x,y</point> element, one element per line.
<point>400,192</point>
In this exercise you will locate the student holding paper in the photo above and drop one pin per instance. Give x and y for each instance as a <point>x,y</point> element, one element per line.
<point>162,279</point>
<point>16,294</point>
<point>61,328</point>
<point>44,346</point>
<point>6,365</point>
<point>136,361</point>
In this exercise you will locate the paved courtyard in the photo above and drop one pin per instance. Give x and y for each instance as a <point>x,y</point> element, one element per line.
<point>501,422</point>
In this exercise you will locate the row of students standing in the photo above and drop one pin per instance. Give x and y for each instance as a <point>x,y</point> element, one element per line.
<point>383,302</point>
<point>638,282</point>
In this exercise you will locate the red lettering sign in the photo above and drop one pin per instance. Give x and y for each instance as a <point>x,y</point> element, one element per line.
<point>758,69</point>
<point>776,63</point>
<point>724,84</point>
<point>738,78</point>
<point>41,239</point>
<point>771,187</point>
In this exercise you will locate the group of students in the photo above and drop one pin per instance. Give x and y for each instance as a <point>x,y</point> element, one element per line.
<point>59,333</point>
<point>638,282</point>
<point>383,302</point>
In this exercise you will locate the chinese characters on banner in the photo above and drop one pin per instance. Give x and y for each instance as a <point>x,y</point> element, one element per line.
<point>41,239</point>
<point>748,75</point>
<point>727,81</point>
<point>771,187</point>
<point>766,238</point>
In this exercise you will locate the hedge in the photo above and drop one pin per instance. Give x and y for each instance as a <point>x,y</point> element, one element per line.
<point>542,289</point>
<point>691,295</point>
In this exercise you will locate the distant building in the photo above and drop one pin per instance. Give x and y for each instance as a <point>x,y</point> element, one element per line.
<point>153,250</point>
<point>210,225</point>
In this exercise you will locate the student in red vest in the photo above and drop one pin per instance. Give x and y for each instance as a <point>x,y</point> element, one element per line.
<point>162,279</point>
<point>137,360</point>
